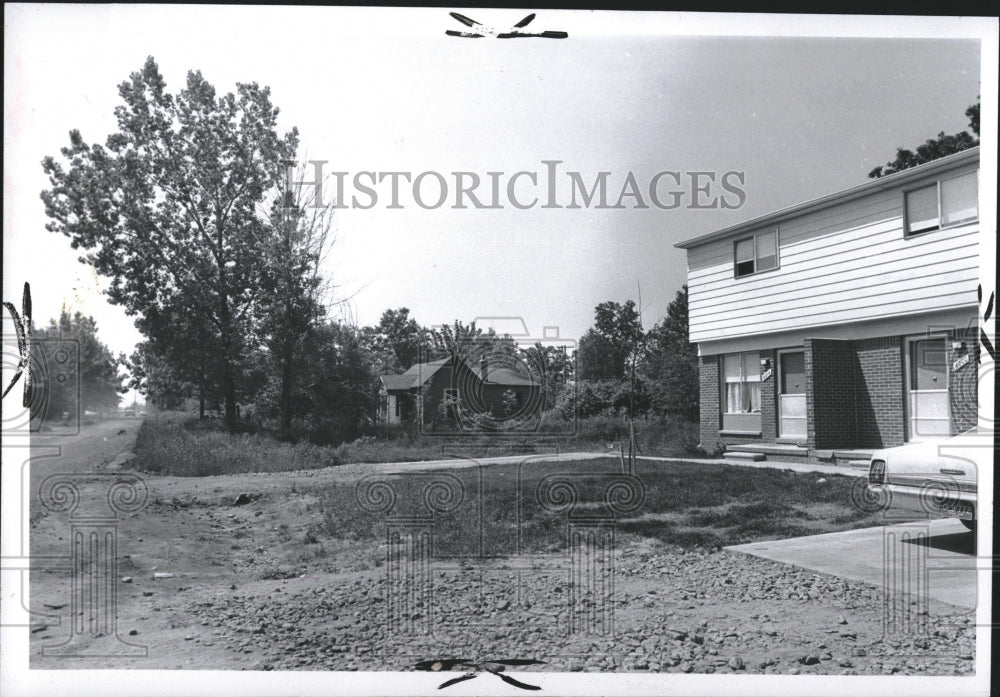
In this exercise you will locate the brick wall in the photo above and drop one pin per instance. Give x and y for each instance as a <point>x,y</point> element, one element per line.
<point>708,385</point>
<point>709,376</point>
<point>963,385</point>
<point>879,401</point>
<point>769,399</point>
<point>855,394</point>
<point>830,389</point>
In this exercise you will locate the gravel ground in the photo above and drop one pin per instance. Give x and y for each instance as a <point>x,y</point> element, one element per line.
<point>674,611</point>
<point>228,601</point>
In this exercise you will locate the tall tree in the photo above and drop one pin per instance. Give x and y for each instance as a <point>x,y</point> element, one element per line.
<point>471,343</point>
<point>399,339</point>
<point>337,391</point>
<point>158,379</point>
<point>609,347</point>
<point>184,348</point>
<point>933,148</point>
<point>167,209</point>
<point>75,370</point>
<point>294,302</point>
<point>671,361</point>
<point>595,357</point>
<point>551,367</point>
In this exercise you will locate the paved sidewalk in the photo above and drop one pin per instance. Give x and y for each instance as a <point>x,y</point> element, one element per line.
<point>929,559</point>
<point>460,462</point>
<point>794,466</point>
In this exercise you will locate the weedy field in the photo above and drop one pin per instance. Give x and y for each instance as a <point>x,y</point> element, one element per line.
<point>498,510</point>
<point>180,445</point>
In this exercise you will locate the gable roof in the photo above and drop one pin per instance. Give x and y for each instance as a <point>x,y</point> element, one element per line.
<point>889,181</point>
<point>503,375</point>
<point>397,382</point>
<point>414,376</point>
<point>421,373</point>
<point>425,371</point>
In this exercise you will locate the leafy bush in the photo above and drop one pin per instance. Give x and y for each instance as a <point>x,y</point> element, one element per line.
<point>169,444</point>
<point>655,435</point>
<point>173,444</point>
<point>602,428</point>
<point>607,398</point>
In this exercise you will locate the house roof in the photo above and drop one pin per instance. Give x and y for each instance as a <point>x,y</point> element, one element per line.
<point>417,374</point>
<point>501,375</point>
<point>426,370</point>
<point>420,373</point>
<point>886,182</point>
<point>397,382</point>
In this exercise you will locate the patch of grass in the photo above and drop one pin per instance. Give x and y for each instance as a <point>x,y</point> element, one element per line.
<point>688,504</point>
<point>165,445</point>
<point>655,435</point>
<point>277,573</point>
<point>371,449</point>
<point>179,445</point>
<point>173,444</point>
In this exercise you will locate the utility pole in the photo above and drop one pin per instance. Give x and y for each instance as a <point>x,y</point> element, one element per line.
<point>632,447</point>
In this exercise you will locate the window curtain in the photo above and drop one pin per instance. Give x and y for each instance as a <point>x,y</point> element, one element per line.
<point>742,383</point>
<point>732,377</point>
<point>959,199</point>
<point>751,382</point>
<point>744,257</point>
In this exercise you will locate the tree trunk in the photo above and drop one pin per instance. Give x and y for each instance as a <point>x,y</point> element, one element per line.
<point>288,340</point>
<point>229,389</point>
<point>225,324</point>
<point>201,382</point>
<point>287,372</point>
<point>286,393</point>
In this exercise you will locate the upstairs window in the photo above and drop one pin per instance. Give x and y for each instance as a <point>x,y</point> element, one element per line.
<point>757,253</point>
<point>943,204</point>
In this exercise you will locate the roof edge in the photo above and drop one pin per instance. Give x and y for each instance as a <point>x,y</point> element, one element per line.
<point>947,162</point>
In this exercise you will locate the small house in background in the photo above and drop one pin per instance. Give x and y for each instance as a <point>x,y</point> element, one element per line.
<point>842,324</point>
<point>451,387</point>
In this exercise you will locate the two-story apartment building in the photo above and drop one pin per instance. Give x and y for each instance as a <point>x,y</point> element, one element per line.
<point>845,323</point>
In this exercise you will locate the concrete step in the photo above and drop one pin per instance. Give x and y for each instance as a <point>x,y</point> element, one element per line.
<point>743,456</point>
<point>852,454</point>
<point>777,450</point>
<point>859,464</point>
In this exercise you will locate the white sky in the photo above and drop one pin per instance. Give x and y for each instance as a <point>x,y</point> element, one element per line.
<point>386,90</point>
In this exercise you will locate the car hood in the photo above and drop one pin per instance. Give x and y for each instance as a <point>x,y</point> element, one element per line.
<point>958,458</point>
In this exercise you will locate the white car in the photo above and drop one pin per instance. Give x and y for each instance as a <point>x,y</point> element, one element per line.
<point>931,479</point>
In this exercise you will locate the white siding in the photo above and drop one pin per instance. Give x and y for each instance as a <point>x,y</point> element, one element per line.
<point>846,263</point>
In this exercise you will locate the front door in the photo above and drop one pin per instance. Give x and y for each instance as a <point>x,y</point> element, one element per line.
<point>927,383</point>
<point>792,395</point>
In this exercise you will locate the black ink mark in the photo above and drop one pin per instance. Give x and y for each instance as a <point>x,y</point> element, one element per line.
<point>494,667</point>
<point>480,30</point>
<point>22,326</point>
<point>984,338</point>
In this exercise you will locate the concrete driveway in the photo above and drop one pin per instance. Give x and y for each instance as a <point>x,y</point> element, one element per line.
<point>930,560</point>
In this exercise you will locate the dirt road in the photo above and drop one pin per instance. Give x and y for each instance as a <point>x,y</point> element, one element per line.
<point>251,587</point>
